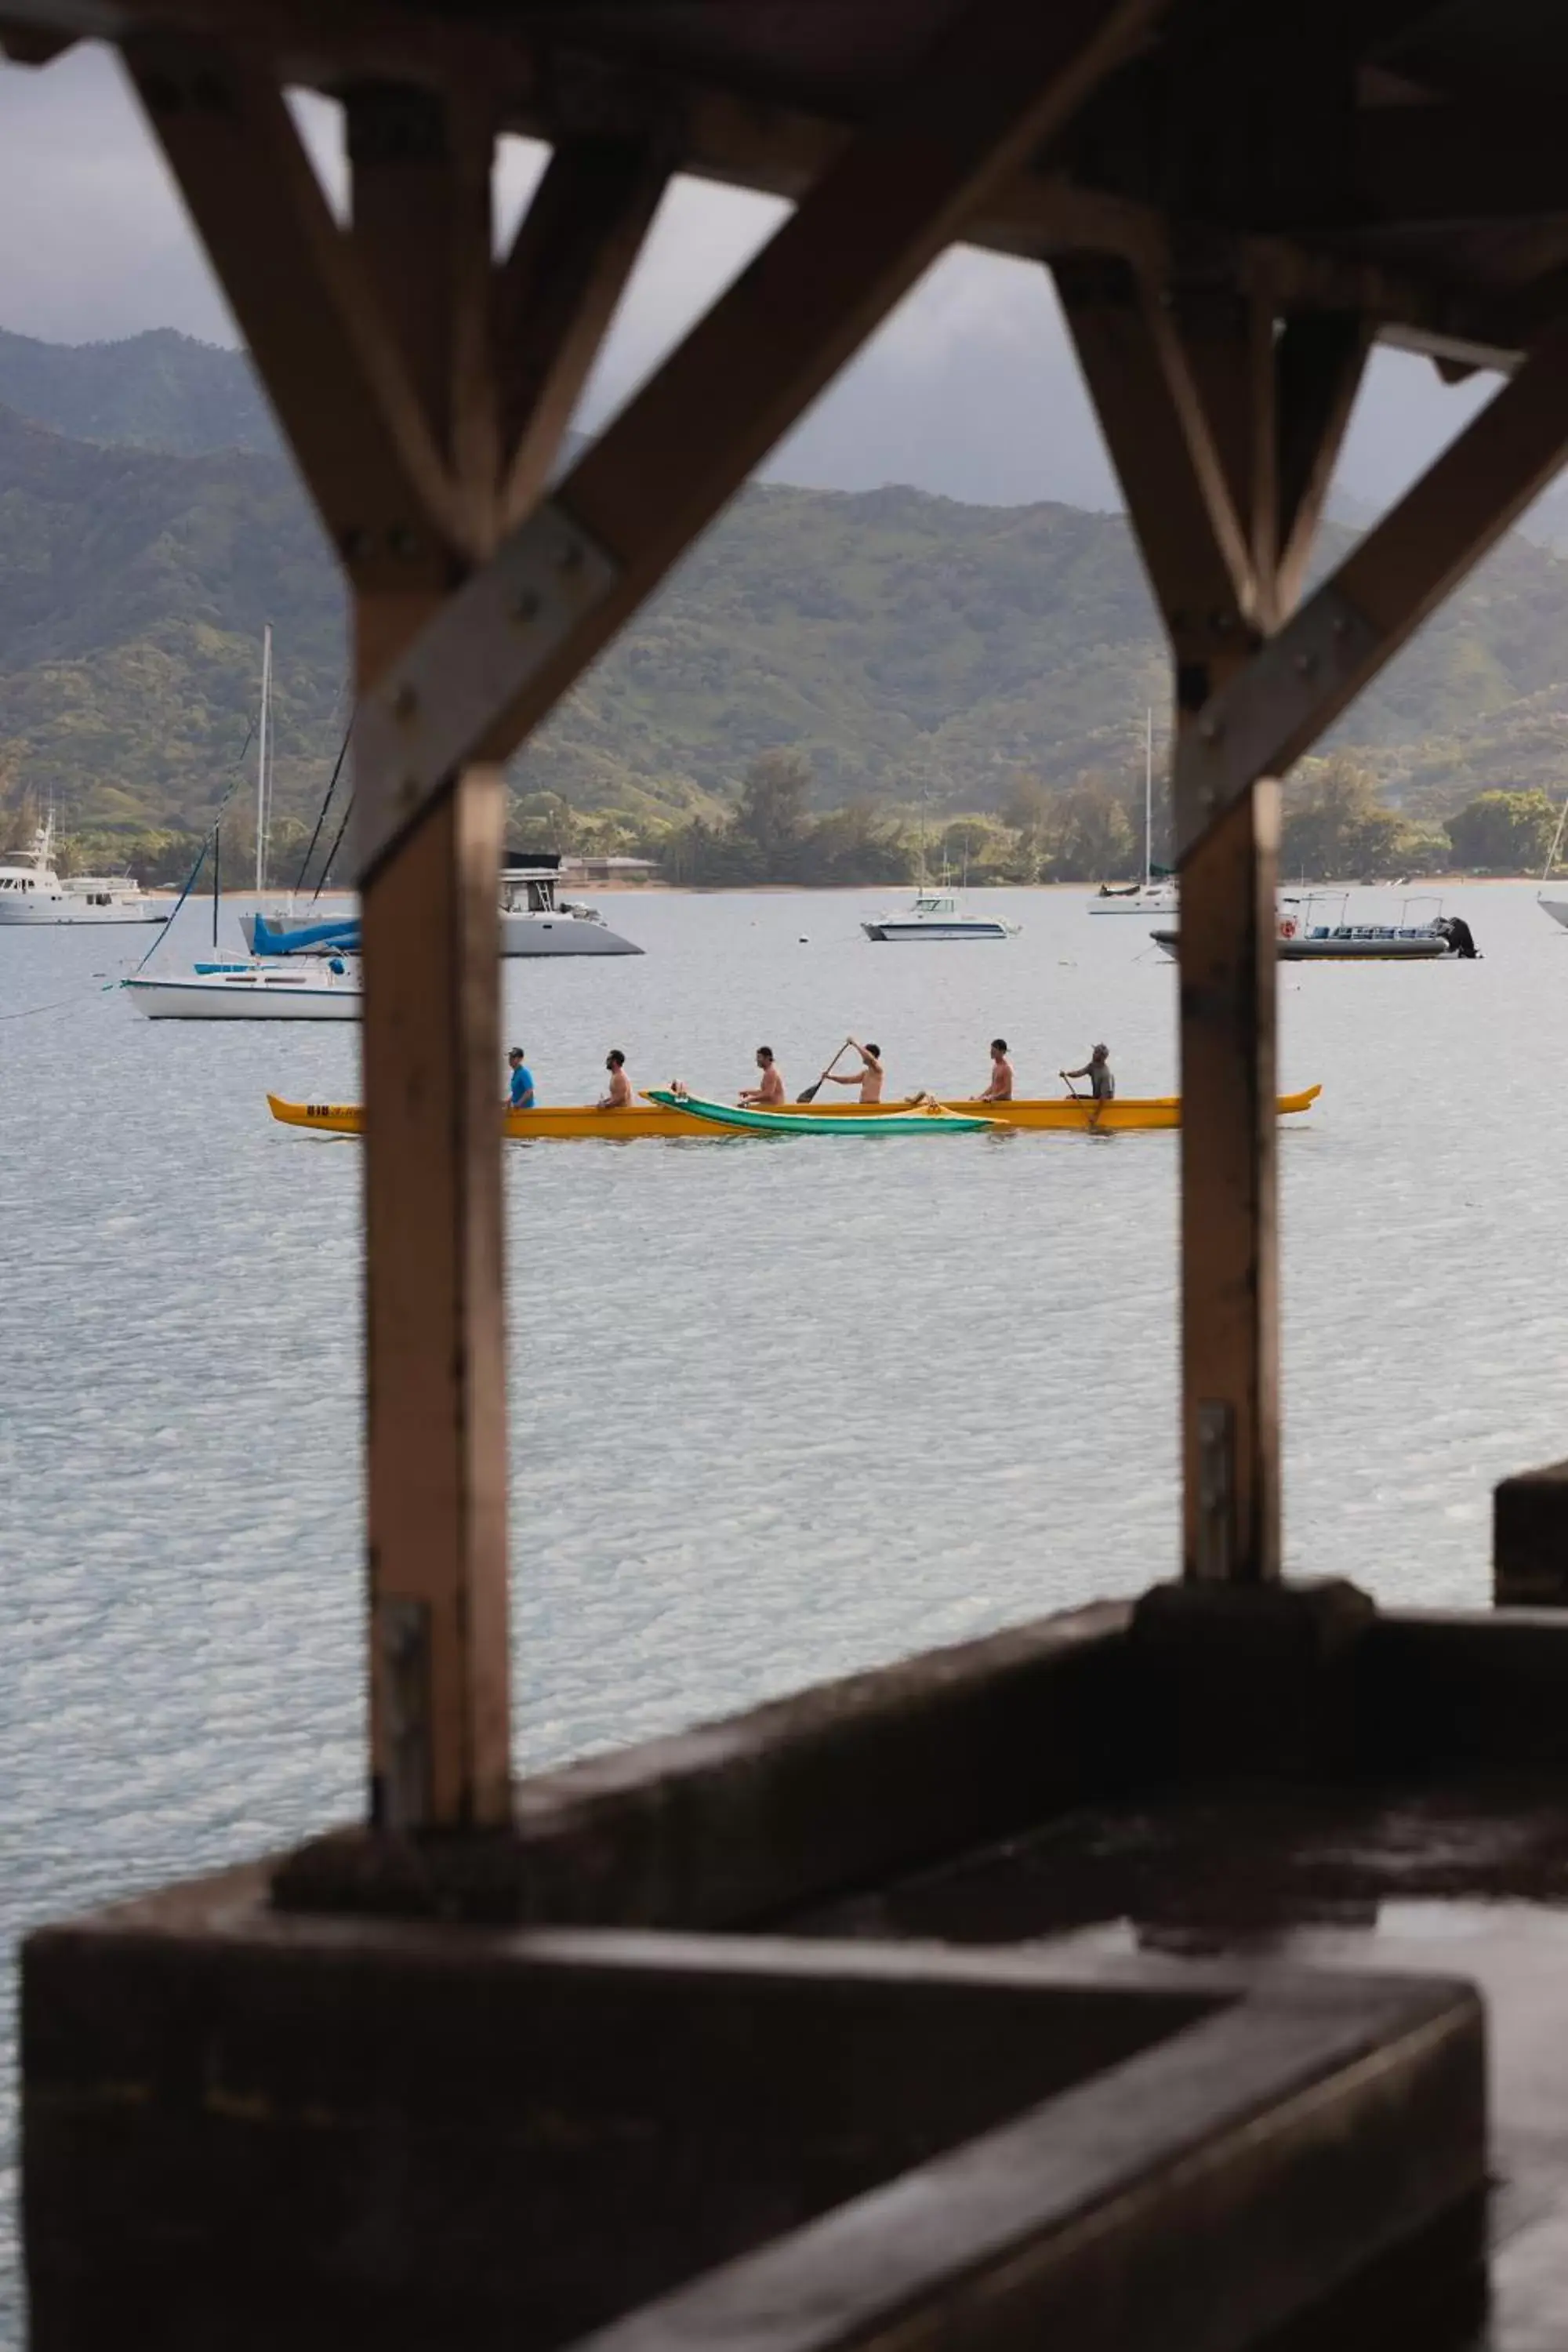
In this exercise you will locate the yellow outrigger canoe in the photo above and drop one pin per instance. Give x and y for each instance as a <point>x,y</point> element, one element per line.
<point>575,1121</point>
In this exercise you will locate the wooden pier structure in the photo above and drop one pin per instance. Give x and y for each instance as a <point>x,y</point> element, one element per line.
<point>1030,1993</point>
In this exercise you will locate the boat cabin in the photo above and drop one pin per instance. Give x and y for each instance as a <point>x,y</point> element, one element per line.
<point>530,879</point>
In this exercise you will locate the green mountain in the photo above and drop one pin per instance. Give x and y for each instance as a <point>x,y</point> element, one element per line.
<point>911,645</point>
<point>157,391</point>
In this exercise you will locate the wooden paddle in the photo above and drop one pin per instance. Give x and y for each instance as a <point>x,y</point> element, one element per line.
<point>809,1094</point>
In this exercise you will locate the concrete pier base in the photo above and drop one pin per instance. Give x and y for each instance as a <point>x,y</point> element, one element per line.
<point>710,2023</point>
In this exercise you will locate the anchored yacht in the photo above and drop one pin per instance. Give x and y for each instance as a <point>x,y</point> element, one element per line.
<point>535,920</point>
<point>32,892</point>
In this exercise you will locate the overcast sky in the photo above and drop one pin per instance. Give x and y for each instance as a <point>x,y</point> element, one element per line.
<point>969,389</point>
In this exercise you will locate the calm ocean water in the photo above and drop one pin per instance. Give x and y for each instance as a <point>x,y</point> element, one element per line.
<point>779,1410</point>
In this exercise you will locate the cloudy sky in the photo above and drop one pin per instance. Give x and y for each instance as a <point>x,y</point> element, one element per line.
<point>969,389</point>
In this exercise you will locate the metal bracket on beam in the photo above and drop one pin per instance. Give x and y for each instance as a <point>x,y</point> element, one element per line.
<point>1236,737</point>
<point>430,713</point>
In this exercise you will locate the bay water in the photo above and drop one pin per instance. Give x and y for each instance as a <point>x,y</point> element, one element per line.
<point>780,1408</point>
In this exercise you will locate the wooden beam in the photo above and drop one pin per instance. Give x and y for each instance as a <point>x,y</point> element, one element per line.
<point>420,188</point>
<point>333,367</point>
<point>440,1713</point>
<point>1220,366</point>
<point>1320,363</point>
<point>1230,1250</point>
<point>558,290</point>
<point>1001,82</point>
<point>1184,386</point>
<point>1183,501</point>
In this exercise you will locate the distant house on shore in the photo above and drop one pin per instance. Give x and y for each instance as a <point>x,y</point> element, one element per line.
<point>604,870</point>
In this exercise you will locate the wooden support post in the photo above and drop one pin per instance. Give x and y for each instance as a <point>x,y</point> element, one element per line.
<point>440,1669</point>
<point>377,345</point>
<point>1224,436</point>
<point>1184,394</point>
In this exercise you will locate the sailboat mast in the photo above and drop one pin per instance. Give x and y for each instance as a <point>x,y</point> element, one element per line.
<point>263,776</point>
<point>1556,841</point>
<point>1148,795</point>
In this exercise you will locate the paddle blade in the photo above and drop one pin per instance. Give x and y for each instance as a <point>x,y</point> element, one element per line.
<point>809,1094</point>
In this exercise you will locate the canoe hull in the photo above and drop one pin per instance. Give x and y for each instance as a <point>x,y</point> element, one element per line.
<point>580,1122</point>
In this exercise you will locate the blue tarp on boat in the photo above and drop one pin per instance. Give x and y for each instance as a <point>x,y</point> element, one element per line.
<point>340,934</point>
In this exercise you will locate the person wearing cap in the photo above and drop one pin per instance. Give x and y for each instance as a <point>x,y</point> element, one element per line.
<point>520,1096</point>
<point>1101,1084</point>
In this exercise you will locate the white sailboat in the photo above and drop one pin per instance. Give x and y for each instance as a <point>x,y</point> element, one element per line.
<point>1556,907</point>
<point>314,976</point>
<point>1154,895</point>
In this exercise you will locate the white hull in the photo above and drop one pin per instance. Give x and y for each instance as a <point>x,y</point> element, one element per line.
<point>54,912</point>
<point>1347,948</point>
<point>1151,902</point>
<point>559,935</point>
<point>249,996</point>
<point>890,932</point>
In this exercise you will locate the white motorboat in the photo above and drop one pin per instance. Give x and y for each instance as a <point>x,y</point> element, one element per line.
<point>1151,898</point>
<point>306,988</point>
<point>31,892</point>
<point>535,920</point>
<point>938,915</point>
<point>1156,894</point>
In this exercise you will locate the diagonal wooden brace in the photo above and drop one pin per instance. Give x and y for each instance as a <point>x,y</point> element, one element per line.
<point>331,361</point>
<point>1295,686</point>
<point>557,291</point>
<point>999,85</point>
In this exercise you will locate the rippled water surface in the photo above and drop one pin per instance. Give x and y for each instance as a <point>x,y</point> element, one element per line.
<point>779,1408</point>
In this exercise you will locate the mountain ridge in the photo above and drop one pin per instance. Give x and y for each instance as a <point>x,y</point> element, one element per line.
<point>915,646</point>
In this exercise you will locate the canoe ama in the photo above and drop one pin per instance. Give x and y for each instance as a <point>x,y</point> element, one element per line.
<point>931,1118</point>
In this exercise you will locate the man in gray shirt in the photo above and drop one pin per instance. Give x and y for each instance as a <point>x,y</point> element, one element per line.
<point>1101,1084</point>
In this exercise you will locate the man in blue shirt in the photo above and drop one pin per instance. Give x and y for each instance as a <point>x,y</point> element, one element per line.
<point>521,1095</point>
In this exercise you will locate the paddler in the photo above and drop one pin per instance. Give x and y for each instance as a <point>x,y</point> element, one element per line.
<point>868,1077</point>
<point>1101,1084</point>
<point>1000,1088</point>
<point>769,1094</point>
<point>520,1096</point>
<point>618,1095</point>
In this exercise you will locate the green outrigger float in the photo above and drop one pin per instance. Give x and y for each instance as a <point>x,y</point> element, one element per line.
<point>924,1121</point>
